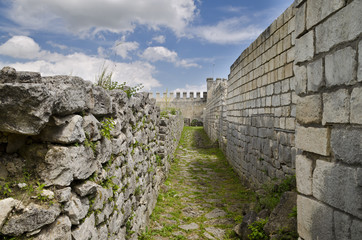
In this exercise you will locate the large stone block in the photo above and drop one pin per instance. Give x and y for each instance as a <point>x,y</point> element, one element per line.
<point>340,27</point>
<point>315,140</point>
<point>336,107</point>
<point>65,130</point>
<point>342,224</point>
<point>304,170</point>
<point>301,79</point>
<point>346,144</point>
<point>304,47</point>
<point>300,20</point>
<point>315,220</point>
<point>341,67</point>
<point>58,230</point>
<point>31,218</point>
<point>359,73</point>
<point>356,105</point>
<point>317,10</point>
<point>315,72</point>
<point>63,164</point>
<point>356,229</point>
<point>70,93</point>
<point>309,109</point>
<point>336,185</point>
<point>25,108</point>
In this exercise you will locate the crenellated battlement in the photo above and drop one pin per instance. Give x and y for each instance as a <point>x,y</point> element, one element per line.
<point>179,96</point>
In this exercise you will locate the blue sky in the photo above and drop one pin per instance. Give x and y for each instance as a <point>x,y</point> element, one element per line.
<point>163,44</point>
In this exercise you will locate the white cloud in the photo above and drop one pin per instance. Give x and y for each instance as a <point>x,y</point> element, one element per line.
<point>159,39</point>
<point>76,64</point>
<point>92,16</point>
<point>229,31</point>
<point>159,53</point>
<point>155,54</point>
<point>57,45</point>
<point>122,48</point>
<point>20,47</point>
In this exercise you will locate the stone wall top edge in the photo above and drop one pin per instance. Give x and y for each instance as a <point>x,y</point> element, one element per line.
<point>286,15</point>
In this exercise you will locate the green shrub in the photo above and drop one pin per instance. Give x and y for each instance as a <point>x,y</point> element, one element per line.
<point>257,231</point>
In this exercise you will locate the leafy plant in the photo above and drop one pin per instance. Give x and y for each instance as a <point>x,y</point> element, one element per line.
<point>105,81</point>
<point>107,125</point>
<point>257,231</point>
<point>6,191</point>
<point>293,213</point>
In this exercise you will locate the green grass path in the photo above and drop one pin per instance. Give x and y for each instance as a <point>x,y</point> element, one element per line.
<point>202,197</point>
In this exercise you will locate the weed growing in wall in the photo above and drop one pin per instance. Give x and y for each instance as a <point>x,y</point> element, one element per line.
<point>257,231</point>
<point>105,81</point>
<point>107,125</point>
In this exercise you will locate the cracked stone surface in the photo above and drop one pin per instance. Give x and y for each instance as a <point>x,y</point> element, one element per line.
<point>202,197</point>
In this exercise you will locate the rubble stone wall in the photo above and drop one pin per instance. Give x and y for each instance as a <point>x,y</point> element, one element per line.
<point>78,161</point>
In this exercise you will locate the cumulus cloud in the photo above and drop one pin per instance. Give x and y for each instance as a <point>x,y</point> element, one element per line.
<point>155,54</point>
<point>229,31</point>
<point>20,47</point>
<point>76,64</point>
<point>122,48</point>
<point>92,16</point>
<point>159,53</point>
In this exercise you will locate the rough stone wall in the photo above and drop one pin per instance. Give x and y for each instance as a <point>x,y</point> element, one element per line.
<point>215,123</point>
<point>261,105</point>
<point>77,161</point>
<point>191,107</point>
<point>328,67</point>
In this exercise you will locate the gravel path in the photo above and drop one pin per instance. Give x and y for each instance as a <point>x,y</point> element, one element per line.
<point>202,197</point>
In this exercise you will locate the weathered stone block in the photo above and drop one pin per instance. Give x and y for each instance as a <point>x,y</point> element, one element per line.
<point>58,230</point>
<point>342,224</point>
<point>6,206</point>
<point>65,130</point>
<point>63,164</point>
<point>304,170</point>
<point>317,10</point>
<point>315,73</point>
<point>314,140</point>
<point>315,220</point>
<point>336,185</point>
<point>346,144</point>
<point>341,67</point>
<point>336,107</point>
<point>309,109</point>
<point>86,230</point>
<point>341,27</point>
<point>32,217</point>
<point>359,72</point>
<point>34,102</point>
<point>300,20</point>
<point>91,127</point>
<point>301,79</point>
<point>356,230</point>
<point>356,105</point>
<point>304,47</point>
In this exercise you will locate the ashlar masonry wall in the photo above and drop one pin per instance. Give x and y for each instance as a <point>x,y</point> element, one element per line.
<point>78,161</point>
<point>261,105</point>
<point>191,107</point>
<point>328,67</point>
<point>294,104</point>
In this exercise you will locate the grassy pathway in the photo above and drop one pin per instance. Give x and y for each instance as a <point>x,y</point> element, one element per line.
<point>202,197</point>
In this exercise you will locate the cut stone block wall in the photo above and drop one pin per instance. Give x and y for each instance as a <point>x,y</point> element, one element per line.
<point>329,115</point>
<point>261,105</point>
<point>215,123</point>
<point>191,107</point>
<point>77,161</point>
<point>294,105</point>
